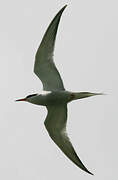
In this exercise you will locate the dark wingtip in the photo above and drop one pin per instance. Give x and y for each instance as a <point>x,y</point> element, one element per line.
<point>90,173</point>
<point>86,170</point>
<point>63,8</point>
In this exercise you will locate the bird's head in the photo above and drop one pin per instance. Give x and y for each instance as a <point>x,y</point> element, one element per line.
<point>27,98</point>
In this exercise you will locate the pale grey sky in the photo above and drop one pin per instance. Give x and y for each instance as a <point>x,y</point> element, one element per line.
<point>86,54</point>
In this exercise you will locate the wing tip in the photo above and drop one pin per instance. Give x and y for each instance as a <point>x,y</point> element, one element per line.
<point>61,11</point>
<point>90,173</point>
<point>86,170</point>
<point>65,6</point>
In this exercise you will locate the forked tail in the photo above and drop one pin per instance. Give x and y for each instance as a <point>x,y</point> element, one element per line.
<point>81,95</point>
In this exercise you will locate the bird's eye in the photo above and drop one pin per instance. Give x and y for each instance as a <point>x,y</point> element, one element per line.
<point>31,95</point>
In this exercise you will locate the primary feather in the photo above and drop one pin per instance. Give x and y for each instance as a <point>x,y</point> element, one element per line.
<point>44,66</point>
<point>55,124</point>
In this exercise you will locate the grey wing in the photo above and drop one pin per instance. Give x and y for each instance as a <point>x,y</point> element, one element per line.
<point>44,66</point>
<point>55,124</point>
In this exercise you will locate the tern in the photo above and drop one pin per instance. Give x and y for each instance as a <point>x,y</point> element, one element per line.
<point>54,96</point>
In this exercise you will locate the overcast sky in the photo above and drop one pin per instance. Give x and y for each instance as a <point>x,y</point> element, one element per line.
<point>86,54</point>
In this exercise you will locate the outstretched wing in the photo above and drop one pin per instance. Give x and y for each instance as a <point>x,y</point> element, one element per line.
<point>55,124</point>
<point>44,66</point>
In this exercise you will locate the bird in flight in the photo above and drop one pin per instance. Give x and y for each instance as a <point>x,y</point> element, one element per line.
<point>54,96</point>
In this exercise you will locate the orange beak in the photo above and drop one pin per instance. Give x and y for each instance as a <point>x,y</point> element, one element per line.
<point>21,99</point>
